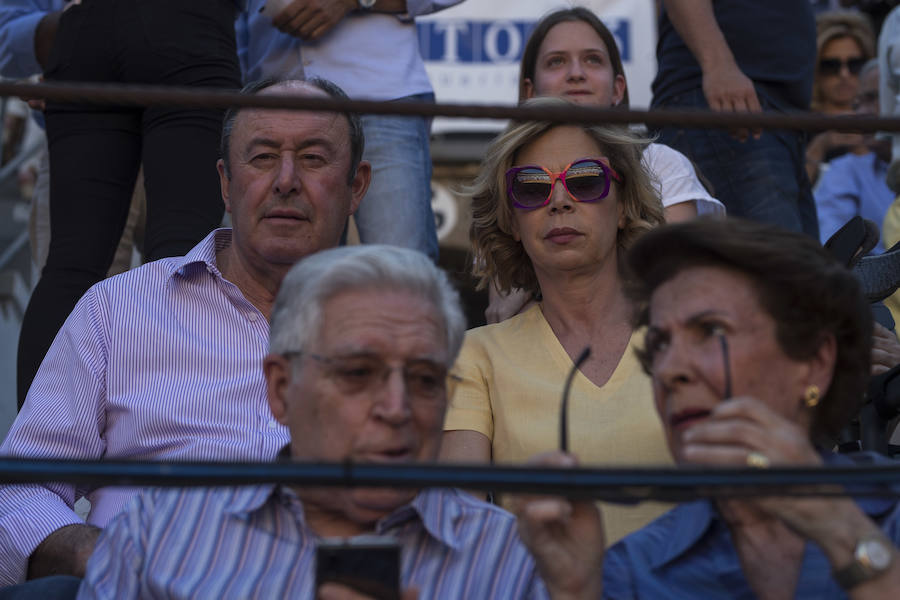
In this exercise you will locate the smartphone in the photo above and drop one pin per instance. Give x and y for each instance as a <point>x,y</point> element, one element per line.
<point>369,564</point>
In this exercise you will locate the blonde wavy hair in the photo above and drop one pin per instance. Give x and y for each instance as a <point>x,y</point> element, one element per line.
<point>498,256</point>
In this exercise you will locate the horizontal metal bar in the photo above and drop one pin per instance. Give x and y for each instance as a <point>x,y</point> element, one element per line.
<point>617,485</point>
<point>145,95</point>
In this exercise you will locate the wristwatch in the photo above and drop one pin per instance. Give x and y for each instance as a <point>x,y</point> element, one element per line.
<point>872,557</point>
<point>366,4</point>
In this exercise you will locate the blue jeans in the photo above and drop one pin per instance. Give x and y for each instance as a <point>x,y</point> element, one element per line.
<point>764,179</point>
<point>397,206</point>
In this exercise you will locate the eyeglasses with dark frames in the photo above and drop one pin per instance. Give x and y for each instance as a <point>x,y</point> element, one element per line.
<point>356,373</point>
<point>833,66</point>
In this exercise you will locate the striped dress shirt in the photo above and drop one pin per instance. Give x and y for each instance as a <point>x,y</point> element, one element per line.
<point>163,362</point>
<point>253,542</point>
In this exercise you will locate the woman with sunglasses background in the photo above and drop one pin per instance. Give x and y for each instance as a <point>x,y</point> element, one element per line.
<point>844,42</point>
<point>571,54</point>
<point>554,207</point>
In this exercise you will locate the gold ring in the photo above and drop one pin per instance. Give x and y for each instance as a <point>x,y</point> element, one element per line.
<point>758,460</point>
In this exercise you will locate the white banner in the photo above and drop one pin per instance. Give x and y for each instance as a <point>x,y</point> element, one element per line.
<point>472,50</point>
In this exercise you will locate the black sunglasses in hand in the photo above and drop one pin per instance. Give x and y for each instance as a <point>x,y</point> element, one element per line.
<point>564,406</point>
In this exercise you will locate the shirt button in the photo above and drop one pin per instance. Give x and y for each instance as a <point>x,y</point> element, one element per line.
<point>252,317</point>
<point>273,424</point>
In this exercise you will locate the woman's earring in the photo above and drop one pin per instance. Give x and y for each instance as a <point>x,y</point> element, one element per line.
<point>812,396</point>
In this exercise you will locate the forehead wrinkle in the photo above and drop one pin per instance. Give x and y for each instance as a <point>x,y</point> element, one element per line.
<point>266,142</point>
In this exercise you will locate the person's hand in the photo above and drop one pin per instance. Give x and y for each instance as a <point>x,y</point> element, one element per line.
<point>311,19</point>
<point>727,89</point>
<point>34,103</point>
<point>336,591</point>
<point>741,425</point>
<point>64,552</point>
<point>565,537</point>
<point>503,306</point>
<point>885,350</point>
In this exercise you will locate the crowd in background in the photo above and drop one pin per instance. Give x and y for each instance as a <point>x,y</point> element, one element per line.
<point>677,277</point>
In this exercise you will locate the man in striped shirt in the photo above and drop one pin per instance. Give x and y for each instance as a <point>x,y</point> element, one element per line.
<point>162,362</point>
<point>362,340</point>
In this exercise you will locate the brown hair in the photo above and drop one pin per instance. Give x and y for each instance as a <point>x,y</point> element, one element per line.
<point>497,253</point>
<point>799,284</point>
<point>568,15</point>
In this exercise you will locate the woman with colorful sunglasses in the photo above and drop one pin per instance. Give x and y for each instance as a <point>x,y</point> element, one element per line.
<point>554,208</point>
<point>571,54</point>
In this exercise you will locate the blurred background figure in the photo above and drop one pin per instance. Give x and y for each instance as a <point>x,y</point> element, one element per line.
<point>371,50</point>
<point>96,151</point>
<point>889,63</point>
<point>844,42</point>
<point>738,57</point>
<point>855,183</point>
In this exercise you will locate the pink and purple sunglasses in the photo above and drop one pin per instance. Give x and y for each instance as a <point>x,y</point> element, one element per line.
<point>585,180</point>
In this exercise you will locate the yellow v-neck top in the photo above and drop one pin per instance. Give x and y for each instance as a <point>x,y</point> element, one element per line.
<point>512,375</point>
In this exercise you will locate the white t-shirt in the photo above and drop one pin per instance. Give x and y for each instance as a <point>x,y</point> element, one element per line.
<point>677,181</point>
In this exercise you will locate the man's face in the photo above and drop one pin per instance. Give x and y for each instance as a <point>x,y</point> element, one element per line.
<point>288,193</point>
<point>340,403</point>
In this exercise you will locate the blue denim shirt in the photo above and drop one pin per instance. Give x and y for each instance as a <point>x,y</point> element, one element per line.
<point>852,185</point>
<point>688,553</point>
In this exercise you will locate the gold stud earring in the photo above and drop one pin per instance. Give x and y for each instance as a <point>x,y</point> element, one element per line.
<point>812,396</point>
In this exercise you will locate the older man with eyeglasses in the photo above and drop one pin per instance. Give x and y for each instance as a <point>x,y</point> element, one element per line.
<point>362,339</point>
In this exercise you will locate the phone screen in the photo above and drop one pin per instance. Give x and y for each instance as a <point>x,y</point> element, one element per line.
<point>368,564</point>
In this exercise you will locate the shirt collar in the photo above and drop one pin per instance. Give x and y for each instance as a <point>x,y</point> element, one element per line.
<point>875,507</point>
<point>248,499</point>
<point>691,522</point>
<point>203,255</point>
<point>438,510</point>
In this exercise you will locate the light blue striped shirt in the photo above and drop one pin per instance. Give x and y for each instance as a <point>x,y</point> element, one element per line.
<point>163,362</point>
<point>253,542</point>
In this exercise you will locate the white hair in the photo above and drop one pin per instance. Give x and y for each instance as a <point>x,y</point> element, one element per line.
<point>297,313</point>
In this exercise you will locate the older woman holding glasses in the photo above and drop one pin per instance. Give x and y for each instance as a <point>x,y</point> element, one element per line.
<point>758,346</point>
<point>554,208</point>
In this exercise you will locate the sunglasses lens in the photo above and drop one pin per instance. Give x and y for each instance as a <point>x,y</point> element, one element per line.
<point>830,66</point>
<point>833,66</point>
<point>855,65</point>
<point>530,187</point>
<point>586,180</point>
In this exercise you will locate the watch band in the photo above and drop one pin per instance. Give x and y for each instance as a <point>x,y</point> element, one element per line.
<point>366,4</point>
<point>851,576</point>
<point>872,557</point>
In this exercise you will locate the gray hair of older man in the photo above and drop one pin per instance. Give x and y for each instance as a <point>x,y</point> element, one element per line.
<point>297,314</point>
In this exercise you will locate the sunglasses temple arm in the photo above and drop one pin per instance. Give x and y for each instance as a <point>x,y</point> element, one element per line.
<point>727,364</point>
<point>564,407</point>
